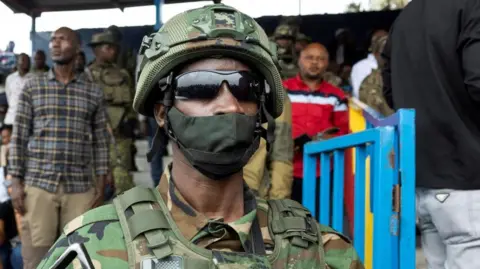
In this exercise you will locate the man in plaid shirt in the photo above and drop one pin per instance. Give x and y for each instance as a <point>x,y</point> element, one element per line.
<point>60,121</point>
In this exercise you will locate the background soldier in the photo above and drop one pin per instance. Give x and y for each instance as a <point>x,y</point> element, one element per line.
<point>371,88</point>
<point>126,58</point>
<point>117,86</point>
<point>287,60</point>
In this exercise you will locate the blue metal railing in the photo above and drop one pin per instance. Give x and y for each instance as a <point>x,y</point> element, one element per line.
<point>390,143</point>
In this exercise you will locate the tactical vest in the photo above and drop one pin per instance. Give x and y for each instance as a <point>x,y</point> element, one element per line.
<point>153,239</point>
<point>116,87</point>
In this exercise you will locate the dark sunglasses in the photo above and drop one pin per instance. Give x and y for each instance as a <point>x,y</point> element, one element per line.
<point>244,85</point>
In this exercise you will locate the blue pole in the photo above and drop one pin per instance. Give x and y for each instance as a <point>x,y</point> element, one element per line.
<point>158,14</point>
<point>33,34</point>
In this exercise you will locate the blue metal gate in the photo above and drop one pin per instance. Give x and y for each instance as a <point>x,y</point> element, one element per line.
<point>390,143</point>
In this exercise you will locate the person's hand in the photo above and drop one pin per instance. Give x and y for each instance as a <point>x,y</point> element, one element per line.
<point>99,197</point>
<point>18,196</point>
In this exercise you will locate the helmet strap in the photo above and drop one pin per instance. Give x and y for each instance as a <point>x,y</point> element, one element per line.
<point>167,89</point>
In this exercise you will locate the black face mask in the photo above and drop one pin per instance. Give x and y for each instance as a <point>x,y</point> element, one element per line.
<point>217,146</point>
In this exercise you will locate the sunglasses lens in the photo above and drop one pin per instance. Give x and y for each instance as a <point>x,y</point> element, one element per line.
<point>206,85</point>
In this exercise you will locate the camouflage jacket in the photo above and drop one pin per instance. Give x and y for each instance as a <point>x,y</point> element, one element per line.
<point>117,85</point>
<point>105,241</point>
<point>270,174</point>
<point>371,93</point>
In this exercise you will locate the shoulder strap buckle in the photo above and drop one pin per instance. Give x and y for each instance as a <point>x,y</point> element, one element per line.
<point>292,220</point>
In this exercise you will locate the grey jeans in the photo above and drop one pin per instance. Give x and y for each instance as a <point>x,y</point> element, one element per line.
<point>449,221</point>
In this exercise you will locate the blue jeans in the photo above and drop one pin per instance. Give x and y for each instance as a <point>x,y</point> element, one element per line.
<point>11,257</point>
<point>16,257</point>
<point>156,166</point>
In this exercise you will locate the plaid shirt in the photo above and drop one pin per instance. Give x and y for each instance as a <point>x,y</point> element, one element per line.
<point>56,130</point>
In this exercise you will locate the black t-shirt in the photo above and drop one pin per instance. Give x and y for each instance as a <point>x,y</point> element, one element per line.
<point>433,66</point>
<point>8,216</point>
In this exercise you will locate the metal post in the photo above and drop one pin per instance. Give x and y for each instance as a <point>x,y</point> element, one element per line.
<point>158,14</point>
<point>33,33</point>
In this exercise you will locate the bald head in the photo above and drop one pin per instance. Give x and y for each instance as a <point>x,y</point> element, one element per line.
<point>64,45</point>
<point>316,46</point>
<point>313,61</point>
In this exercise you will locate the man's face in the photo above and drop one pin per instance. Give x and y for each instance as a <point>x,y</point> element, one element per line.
<point>313,61</point>
<point>225,100</point>
<point>6,135</point>
<point>23,63</point>
<point>106,52</point>
<point>39,59</point>
<point>63,46</point>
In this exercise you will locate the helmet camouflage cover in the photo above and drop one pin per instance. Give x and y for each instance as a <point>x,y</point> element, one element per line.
<point>201,33</point>
<point>284,31</point>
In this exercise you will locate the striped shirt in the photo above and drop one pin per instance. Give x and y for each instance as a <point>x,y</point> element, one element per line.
<point>57,129</point>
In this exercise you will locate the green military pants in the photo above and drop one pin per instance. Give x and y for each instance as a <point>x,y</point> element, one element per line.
<point>121,161</point>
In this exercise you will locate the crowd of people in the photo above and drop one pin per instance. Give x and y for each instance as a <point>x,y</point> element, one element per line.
<point>233,114</point>
<point>73,127</point>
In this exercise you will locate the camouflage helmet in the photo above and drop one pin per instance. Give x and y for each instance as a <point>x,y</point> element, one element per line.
<point>103,38</point>
<point>201,33</point>
<point>284,31</point>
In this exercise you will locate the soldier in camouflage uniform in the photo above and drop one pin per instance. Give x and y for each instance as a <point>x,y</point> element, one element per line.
<point>126,59</point>
<point>117,85</point>
<point>371,88</point>
<point>287,60</point>
<point>199,84</point>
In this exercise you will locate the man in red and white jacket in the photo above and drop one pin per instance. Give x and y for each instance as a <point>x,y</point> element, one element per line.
<point>317,107</point>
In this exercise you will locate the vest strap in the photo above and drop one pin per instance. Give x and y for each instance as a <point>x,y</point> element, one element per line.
<point>291,220</point>
<point>145,221</point>
<point>158,243</point>
<point>136,195</point>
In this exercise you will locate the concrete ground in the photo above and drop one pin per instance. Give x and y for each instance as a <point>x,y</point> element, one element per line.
<point>143,178</point>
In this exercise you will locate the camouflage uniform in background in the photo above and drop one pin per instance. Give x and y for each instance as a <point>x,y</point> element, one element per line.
<point>371,92</point>
<point>157,228</point>
<point>126,59</point>
<point>117,86</point>
<point>287,60</point>
<point>270,174</point>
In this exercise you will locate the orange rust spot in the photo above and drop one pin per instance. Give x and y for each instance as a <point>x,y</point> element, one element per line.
<point>391,158</point>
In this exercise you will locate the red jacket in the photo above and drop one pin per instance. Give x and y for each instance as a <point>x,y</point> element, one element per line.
<point>314,111</point>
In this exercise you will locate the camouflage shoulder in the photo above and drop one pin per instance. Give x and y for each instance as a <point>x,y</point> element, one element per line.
<point>339,251</point>
<point>103,213</point>
<point>100,233</point>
